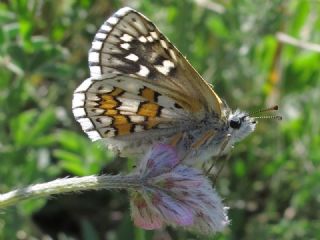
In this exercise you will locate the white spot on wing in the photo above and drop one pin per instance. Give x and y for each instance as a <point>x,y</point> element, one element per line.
<point>91,104</point>
<point>123,11</point>
<point>173,55</point>
<point>113,20</point>
<point>164,44</point>
<point>103,121</point>
<point>142,39</point>
<point>144,71</point>
<point>168,64</point>
<point>136,119</point>
<point>132,57</point>
<point>125,46</point>
<point>150,39</point>
<point>97,45</point>
<point>100,87</point>
<point>78,100</point>
<point>94,57</point>
<point>79,112</point>
<point>95,111</point>
<point>86,124</point>
<point>126,37</point>
<point>84,86</point>
<point>92,96</point>
<point>101,35</point>
<point>162,69</point>
<point>94,135</point>
<point>105,27</point>
<point>129,105</point>
<point>166,67</point>
<point>127,113</point>
<point>154,35</point>
<point>95,71</point>
<point>108,132</point>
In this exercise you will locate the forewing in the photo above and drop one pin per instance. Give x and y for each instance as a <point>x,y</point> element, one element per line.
<point>128,43</point>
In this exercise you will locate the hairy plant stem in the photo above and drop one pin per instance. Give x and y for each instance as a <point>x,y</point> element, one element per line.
<point>69,185</point>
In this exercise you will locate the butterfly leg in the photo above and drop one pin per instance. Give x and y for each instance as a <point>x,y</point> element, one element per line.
<point>215,178</point>
<point>201,141</point>
<point>176,139</point>
<point>223,146</point>
<point>194,146</point>
<point>190,146</point>
<point>186,146</point>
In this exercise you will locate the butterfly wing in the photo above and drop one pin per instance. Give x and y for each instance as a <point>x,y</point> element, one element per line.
<point>127,113</point>
<point>141,87</point>
<point>119,105</point>
<point>129,43</point>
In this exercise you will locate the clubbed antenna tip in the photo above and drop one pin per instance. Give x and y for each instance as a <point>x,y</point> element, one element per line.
<point>273,108</point>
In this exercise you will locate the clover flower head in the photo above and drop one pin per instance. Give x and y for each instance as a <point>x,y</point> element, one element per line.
<point>176,195</point>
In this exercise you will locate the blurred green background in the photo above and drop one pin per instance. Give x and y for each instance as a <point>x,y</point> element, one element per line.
<point>256,53</point>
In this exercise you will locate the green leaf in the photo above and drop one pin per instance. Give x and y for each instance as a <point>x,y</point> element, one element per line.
<point>45,121</point>
<point>218,28</point>
<point>300,17</point>
<point>25,29</point>
<point>30,125</point>
<point>20,127</point>
<point>70,162</point>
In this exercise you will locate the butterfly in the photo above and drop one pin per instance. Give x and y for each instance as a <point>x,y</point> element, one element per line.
<point>142,90</point>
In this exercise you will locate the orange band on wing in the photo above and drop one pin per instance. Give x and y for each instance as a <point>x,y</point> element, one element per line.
<point>151,122</point>
<point>149,109</point>
<point>120,119</point>
<point>116,92</point>
<point>108,102</point>
<point>111,112</point>
<point>148,94</point>
<point>124,129</point>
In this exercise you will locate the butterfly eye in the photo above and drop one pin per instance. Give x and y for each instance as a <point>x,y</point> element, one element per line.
<point>235,123</point>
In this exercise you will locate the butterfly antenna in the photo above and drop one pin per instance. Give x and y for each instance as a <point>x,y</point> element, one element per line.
<point>269,117</point>
<point>273,108</point>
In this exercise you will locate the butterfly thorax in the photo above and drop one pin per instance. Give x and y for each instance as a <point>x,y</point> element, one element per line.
<point>203,139</point>
<point>214,136</point>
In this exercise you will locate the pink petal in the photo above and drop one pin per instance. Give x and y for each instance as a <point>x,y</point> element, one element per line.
<point>161,159</point>
<point>172,210</point>
<point>144,216</point>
